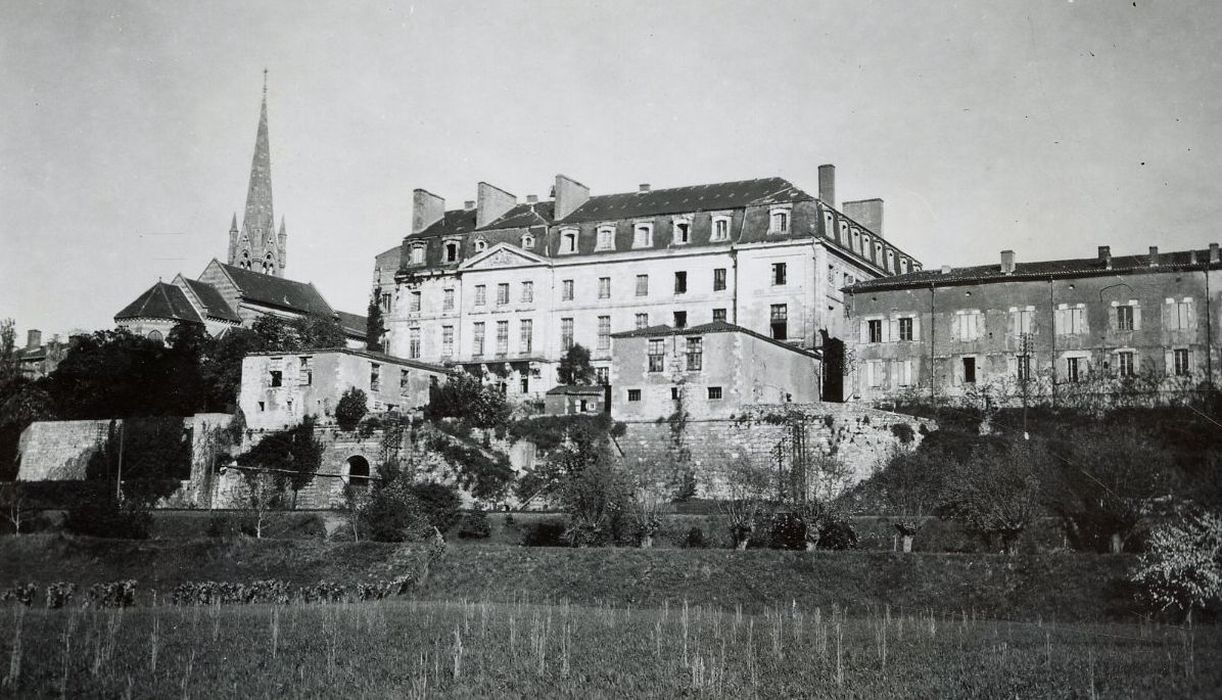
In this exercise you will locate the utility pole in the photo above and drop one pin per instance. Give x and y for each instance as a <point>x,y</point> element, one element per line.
<point>1024,374</point>
<point>119,480</point>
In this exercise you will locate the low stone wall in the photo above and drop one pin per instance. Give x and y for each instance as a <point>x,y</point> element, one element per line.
<point>60,450</point>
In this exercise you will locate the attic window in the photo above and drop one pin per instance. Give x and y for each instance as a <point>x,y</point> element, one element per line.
<point>568,241</point>
<point>528,241</point>
<point>642,236</point>
<point>451,251</point>
<point>417,254</point>
<point>779,221</point>
<point>683,232</point>
<point>721,228</point>
<point>606,238</point>
<point>480,245</point>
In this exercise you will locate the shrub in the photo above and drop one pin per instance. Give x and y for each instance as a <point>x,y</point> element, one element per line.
<point>110,518</point>
<point>22,593</point>
<point>394,514</point>
<point>903,431</point>
<point>351,408</point>
<point>440,504</point>
<point>114,594</point>
<point>788,532</point>
<point>475,526</point>
<point>1184,567</point>
<point>59,594</point>
<point>550,534</point>
<point>695,539</point>
<point>837,534</point>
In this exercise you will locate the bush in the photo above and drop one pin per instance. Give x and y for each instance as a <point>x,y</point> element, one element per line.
<point>475,526</point>
<point>394,514</point>
<point>351,408</point>
<point>695,539</point>
<point>440,503</point>
<point>788,532</point>
<point>109,518</point>
<point>544,535</point>
<point>115,594</point>
<point>59,594</point>
<point>838,534</point>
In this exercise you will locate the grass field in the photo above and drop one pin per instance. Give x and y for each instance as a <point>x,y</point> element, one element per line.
<point>478,649</point>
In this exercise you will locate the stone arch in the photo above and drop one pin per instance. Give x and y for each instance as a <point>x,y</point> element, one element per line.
<point>156,335</point>
<point>357,472</point>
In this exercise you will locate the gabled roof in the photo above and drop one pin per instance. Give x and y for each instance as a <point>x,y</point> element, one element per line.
<point>378,356</point>
<point>354,325</point>
<point>161,301</point>
<point>1042,270</point>
<point>504,252</point>
<point>720,195</point>
<point>661,331</point>
<point>213,303</point>
<point>277,291</point>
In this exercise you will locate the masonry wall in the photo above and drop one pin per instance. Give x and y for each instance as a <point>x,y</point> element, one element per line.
<point>60,450</point>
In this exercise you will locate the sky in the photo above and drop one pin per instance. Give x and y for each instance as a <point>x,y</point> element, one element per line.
<point>1046,127</point>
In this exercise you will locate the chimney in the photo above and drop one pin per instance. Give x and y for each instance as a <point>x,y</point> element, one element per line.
<point>570,194</point>
<point>493,203</point>
<point>427,209</point>
<point>468,205</point>
<point>1213,253</point>
<point>1007,262</point>
<point>1192,257</point>
<point>868,213</point>
<point>33,339</point>
<point>1105,256</point>
<point>1153,256</point>
<point>644,187</point>
<point>827,184</point>
<point>946,269</point>
<point>532,199</point>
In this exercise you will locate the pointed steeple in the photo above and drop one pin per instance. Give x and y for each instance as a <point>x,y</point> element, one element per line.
<point>233,227</point>
<point>259,221</point>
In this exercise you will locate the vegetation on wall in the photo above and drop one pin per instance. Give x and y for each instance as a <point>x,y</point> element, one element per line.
<point>575,367</point>
<point>294,454</point>
<point>351,408</point>
<point>374,327</point>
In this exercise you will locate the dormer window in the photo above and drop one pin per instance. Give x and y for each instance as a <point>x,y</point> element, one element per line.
<point>856,239</point>
<point>878,254</point>
<point>528,241</point>
<point>568,241</point>
<point>890,261</point>
<point>451,251</point>
<point>829,225</point>
<point>606,238</point>
<point>417,254</point>
<point>903,265</point>
<point>778,221</point>
<point>683,232</point>
<point>721,228</point>
<point>480,245</point>
<point>642,236</point>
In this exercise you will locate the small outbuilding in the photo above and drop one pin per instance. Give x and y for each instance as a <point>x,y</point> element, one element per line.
<point>577,399</point>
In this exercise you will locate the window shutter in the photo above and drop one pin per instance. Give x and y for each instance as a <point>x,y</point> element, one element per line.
<point>1169,359</point>
<point>1015,327</point>
<point>916,327</point>
<point>865,332</point>
<point>1059,322</point>
<point>1136,317</point>
<point>870,374</point>
<point>1012,366</point>
<point>954,326</point>
<point>908,372</point>
<point>893,330</point>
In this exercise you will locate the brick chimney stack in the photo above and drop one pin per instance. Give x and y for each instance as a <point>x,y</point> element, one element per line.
<point>1105,256</point>
<point>1007,262</point>
<point>427,209</point>
<point>1213,253</point>
<point>492,203</point>
<point>569,195</point>
<point>643,188</point>
<point>1153,256</point>
<point>827,184</point>
<point>868,213</point>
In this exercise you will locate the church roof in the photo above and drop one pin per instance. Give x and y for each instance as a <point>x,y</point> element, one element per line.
<point>163,301</point>
<point>279,292</point>
<point>213,303</point>
<point>259,216</point>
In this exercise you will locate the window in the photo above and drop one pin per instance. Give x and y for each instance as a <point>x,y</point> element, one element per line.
<point>780,321</point>
<point>890,261</point>
<point>856,240</point>
<point>969,325</point>
<point>413,343</point>
<point>502,294</point>
<point>642,236</point>
<point>477,339</point>
<point>447,300</point>
<point>404,382</point>
<point>1073,369</point>
<point>568,241</point>
<point>905,328</point>
<point>849,280</point>
<point>683,232</point>
<point>275,378</point>
<point>680,282</point>
<point>604,287</point>
<point>695,354</point>
<point>634,394</point>
<point>384,300</point>
<point>1124,363</point>
<point>528,241</point>
<point>481,294</point>
<point>525,384</point>
<point>566,290</point>
<point>480,245</point>
<point>680,319</point>
<point>417,254</point>
<point>451,251</point>
<point>642,285</point>
<point>657,355</point>
<point>779,222</point>
<point>413,302</point>
<point>1124,318</point>
<point>1181,315</point>
<point>447,341</point>
<point>602,376</point>
<point>606,238</point>
<point>1022,321</point>
<point>305,372</point>
<point>903,372</point>
<point>719,315</point>
<point>604,332</point>
<point>969,370</point>
<point>1070,321</point>
<point>721,228</point>
<point>1180,361</point>
<point>526,337</point>
<point>876,373</point>
<point>874,331</point>
<point>375,376</point>
<point>502,338</point>
<point>566,333</point>
<point>778,274</point>
<point>528,292</point>
<point>674,393</point>
<point>719,279</point>
<point>1023,367</point>
<point>903,266</point>
<point>642,321</point>
<point>714,393</point>
<point>155,336</point>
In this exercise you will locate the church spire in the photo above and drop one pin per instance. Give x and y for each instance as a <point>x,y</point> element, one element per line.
<point>259,222</point>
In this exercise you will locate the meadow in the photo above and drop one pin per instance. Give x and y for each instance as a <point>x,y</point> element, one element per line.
<point>429,649</point>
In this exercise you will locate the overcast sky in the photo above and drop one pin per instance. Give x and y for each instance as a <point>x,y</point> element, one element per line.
<point>127,127</point>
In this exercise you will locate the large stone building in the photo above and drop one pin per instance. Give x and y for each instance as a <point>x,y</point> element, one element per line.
<point>1107,325</point>
<point>251,284</point>
<point>503,288</point>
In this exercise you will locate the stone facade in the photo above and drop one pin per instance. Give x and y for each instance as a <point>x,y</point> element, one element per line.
<point>1107,325</point>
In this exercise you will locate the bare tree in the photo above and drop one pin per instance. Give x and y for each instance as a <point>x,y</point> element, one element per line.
<point>647,508</point>
<point>15,504</point>
<point>265,493</point>
<point>747,487</point>
<point>826,477</point>
<point>996,493</point>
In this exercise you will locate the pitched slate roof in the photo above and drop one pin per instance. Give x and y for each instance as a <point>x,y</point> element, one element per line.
<point>706,329</point>
<point>720,195</point>
<point>277,291</point>
<point>212,301</point>
<point>577,390</point>
<point>1041,269</point>
<point>379,356</point>
<point>353,324</point>
<point>524,215</point>
<point>164,301</point>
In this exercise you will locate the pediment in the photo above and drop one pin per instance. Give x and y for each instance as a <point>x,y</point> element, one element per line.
<point>502,255</point>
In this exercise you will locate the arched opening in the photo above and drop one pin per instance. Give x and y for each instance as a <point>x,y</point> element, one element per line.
<point>358,472</point>
<point>155,335</point>
<point>269,265</point>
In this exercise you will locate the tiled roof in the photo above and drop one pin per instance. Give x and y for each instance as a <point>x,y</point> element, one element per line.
<point>706,329</point>
<point>1042,269</point>
<point>577,389</point>
<point>453,222</point>
<point>524,215</point>
<point>379,356</point>
<point>163,301</point>
<point>214,304</point>
<point>277,291</point>
<point>353,324</point>
<point>721,195</point>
